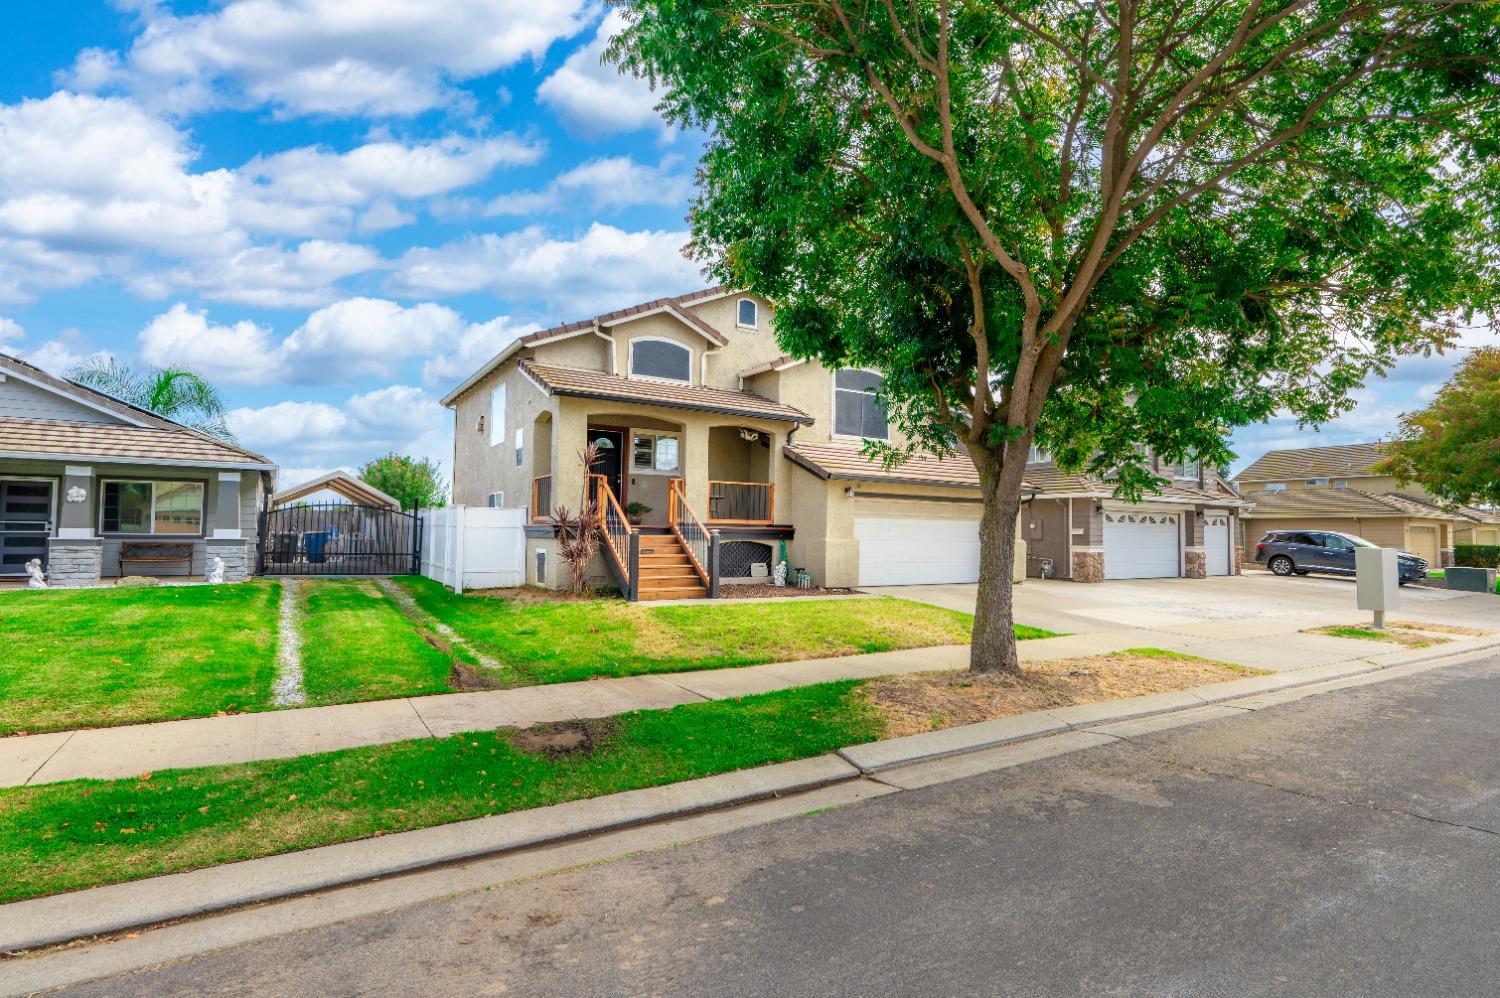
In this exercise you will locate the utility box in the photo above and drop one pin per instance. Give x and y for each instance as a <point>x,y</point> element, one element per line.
<point>1470,580</point>
<point>1376,585</point>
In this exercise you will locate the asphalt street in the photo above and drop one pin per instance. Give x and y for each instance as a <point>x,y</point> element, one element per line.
<point>1344,844</point>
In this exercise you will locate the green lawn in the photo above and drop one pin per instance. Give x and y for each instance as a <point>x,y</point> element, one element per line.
<point>357,645</point>
<point>119,656</point>
<point>85,833</point>
<point>555,642</point>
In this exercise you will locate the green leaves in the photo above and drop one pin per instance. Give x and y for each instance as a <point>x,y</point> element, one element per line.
<point>412,482</point>
<point>1452,448</point>
<point>172,393</point>
<point>1222,212</point>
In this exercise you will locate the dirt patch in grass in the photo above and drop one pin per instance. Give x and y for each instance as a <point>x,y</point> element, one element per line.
<point>1454,629</point>
<point>536,595</point>
<point>934,700</point>
<point>1394,634</point>
<point>466,678</point>
<point>564,737</point>
<point>768,591</point>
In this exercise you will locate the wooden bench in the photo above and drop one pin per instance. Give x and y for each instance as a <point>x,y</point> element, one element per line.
<point>156,553</point>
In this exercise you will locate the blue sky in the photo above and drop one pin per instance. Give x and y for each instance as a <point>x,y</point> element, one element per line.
<point>337,210</point>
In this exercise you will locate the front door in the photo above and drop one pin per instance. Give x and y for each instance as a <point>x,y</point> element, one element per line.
<point>25,523</point>
<point>611,463</point>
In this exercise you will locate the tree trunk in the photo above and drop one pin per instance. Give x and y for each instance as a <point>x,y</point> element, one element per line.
<point>993,648</point>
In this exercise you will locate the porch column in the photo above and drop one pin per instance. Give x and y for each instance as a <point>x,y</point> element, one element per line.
<point>75,513</point>
<point>227,509</point>
<point>75,556</point>
<point>695,465</point>
<point>569,437</point>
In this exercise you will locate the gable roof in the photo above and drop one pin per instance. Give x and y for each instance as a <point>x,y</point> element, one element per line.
<point>356,490</point>
<point>673,306</point>
<point>145,436</point>
<point>1347,460</point>
<point>579,383</point>
<point>1342,502</point>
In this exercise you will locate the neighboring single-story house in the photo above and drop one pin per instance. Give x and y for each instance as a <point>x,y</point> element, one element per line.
<point>86,478</point>
<point>724,448</point>
<point>1336,488</point>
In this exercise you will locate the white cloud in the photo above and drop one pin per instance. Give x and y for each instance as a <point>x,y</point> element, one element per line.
<point>309,438</point>
<point>337,57</point>
<point>181,337</point>
<point>601,269</point>
<point>60,354</point>
<point>10,329</point>
<point>265,276</point>
<point>598,99</point>
<point>345,341</point>
<point>610,183</point>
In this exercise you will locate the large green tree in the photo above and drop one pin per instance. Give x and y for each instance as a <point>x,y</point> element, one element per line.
<point>1109,227</point>
<point>173,393</point>
<point>1452,447</point>
<point>413,482</point>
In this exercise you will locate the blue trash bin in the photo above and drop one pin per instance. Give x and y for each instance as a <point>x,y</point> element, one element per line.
<point>314,543</point>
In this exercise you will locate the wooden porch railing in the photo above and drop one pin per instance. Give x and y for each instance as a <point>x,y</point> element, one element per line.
<point>541,498</point>
<point>697,540</point>
<point>614,527</point>
<point>742,502</point>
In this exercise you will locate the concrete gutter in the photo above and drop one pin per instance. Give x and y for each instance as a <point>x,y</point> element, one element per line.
<point>903,763</point>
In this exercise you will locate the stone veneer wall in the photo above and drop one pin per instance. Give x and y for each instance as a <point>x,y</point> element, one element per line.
<point>1195,563</point>
<point>1239,561</point>
<point>1445,558</point>
<point>1088,566</point>
<point>74,562</point>
<point>236,555</point>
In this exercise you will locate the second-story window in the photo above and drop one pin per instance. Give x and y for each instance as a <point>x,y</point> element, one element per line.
<point>748,314</point>
<point>856,410</point>
<point>660,359</point>
<point>497,416</point>
<point>1186,468</point>
<point>1037,456</point>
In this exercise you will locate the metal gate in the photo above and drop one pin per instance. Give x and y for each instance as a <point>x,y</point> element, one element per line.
<point>337,538</point>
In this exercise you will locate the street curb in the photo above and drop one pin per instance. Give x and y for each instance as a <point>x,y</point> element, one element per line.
<point>116,908</point>
<point>119,907</point>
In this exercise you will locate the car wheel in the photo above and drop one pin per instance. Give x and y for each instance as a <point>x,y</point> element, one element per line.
<point>1281,565</point>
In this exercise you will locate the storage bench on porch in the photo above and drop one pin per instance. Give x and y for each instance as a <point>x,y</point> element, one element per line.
<point>156,553</point>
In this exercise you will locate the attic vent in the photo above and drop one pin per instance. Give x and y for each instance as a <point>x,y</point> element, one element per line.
<point>495,500</point>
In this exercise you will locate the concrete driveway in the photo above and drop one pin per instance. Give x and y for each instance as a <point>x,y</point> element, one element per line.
<point>1255,620</point>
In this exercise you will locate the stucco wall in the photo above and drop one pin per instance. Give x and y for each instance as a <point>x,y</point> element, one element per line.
<point>481,468</point>
<point>1044,526</point>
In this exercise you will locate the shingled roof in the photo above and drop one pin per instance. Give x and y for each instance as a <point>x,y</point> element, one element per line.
<point>579,383</point>
<point>1342,502</point>
<point>1346,460</point>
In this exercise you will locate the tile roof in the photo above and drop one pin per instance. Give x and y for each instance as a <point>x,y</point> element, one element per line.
<point>1340,502</point>
<point>848,462</point>
<point>781,363</point>
<point>578,383</point>
<point>1314,462</point>
<point>56,438</point>
<point>674,305</point>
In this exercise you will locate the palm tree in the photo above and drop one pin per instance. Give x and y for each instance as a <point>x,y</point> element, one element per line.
<point>172,393</point>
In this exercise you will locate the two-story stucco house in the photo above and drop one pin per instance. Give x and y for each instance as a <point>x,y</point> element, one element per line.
<point>96,488</point>
<point>1337,488</point>
<point>736,448</point>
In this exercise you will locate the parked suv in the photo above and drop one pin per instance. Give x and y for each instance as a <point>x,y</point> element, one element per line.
<point>1297,552</point>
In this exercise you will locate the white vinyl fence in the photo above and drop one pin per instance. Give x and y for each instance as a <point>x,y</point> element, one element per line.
<point>474,547</point>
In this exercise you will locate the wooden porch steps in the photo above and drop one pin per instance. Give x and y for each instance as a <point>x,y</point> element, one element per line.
<point>666,571</point>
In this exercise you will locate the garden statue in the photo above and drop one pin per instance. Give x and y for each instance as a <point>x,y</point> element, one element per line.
<point>38,578</point>
<point>778,575</point>
<point>216,572</point>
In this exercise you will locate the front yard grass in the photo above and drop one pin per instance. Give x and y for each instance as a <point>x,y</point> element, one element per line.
<point>1405,635</point>
<point>564,640</point>
<point>357,645</point>
<point>85,833</point>
<point>120,656</point>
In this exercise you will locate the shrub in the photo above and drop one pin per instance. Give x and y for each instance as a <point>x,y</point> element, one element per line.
<point>1476,555</point>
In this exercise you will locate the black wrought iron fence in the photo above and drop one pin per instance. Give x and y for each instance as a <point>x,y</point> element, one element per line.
<point>340,539</point>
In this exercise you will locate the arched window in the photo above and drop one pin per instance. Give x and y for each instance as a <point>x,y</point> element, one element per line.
<point>653,358</point>
<point>748,315</point>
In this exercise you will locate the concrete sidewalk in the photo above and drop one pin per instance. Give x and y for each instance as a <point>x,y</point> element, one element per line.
<point>111,753</point>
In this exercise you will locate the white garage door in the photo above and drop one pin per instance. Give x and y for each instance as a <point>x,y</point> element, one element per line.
<point>1142,545</point>
<point>1216,541</point>
<point>903,551</point>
